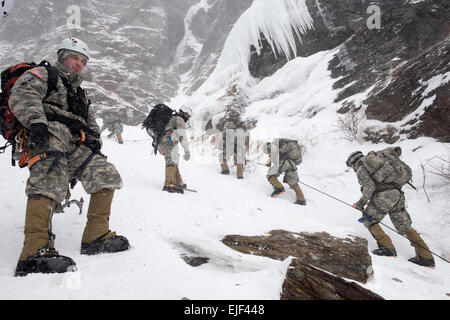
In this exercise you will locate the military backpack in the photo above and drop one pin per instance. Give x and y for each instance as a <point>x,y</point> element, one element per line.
<point>386,167</point>
<point>10,127</point>
<point>156,122</point>
<point>291,149</point>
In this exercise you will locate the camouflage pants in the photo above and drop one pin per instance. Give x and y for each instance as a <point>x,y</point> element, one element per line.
<point>171,153</point>
<point>98,174</point>
<point>390,202</point>
<point>289,169</point>
<point>231,149</point>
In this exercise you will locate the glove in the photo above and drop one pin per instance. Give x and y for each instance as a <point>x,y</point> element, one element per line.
<point>359,205</point>
<point>187,155</point>
<point>94,145</point>
<point>39,136</point>
<point>364,218</point>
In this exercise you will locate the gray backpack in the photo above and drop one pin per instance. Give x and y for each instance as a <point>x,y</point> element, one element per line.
<point>386,167</point>
<point>291,149</point>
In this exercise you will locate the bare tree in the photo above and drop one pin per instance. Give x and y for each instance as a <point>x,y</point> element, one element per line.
<point>349,125</point>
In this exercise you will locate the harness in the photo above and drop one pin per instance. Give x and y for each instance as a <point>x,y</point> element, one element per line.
<point>78,105</point>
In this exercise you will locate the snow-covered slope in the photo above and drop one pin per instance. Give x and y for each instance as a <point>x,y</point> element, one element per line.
<point>163,227</point>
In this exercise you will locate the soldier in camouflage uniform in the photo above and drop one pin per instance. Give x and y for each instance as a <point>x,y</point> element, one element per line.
<point>232,142</point>
<point>114,126</point>
<point>382,199</point>
<point>282,159</point>
<point>175,134</point>
<point>65,144</point>
<point>233,138</point>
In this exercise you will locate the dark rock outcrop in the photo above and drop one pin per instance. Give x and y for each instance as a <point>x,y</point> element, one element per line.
<point>305,282</point>
<point>321,261</point>
<point>346,258</point>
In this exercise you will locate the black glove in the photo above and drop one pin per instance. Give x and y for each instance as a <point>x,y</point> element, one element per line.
<point>94,145</point>
<point>39,136</point>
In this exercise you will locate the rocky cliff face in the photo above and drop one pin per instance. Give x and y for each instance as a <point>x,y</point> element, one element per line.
<point>142,51</point>
<point>400,64</point>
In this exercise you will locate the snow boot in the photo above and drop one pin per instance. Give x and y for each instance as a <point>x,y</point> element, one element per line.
<point>36,230</point>
<point>225,168</point>
<point>383,251</point>
<point>178,180</point>
<point>98,215</point>
<point>385,245</point>
<point>299,195</point>
<point>47,260</point>
<point>240,171</point>
<point>422,250</point>
<point>278,187</point>
<point>422,261</point>
<point>107,243</point>
<point>119,139</point>
<point>170,184</point>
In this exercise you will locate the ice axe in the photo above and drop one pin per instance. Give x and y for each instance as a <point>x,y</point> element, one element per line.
<point>79,204</point>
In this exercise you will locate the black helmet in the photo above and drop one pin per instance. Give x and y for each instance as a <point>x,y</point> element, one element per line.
<point>353,158</point>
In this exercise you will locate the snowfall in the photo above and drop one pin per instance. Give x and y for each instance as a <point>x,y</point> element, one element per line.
<point>296,102</point>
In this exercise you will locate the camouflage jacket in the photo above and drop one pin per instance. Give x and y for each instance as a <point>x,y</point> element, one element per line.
<point>368,185</point>
<point>30,106</point>
<point>175,132</point>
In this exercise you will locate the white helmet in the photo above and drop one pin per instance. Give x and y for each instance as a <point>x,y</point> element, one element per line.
<point>6,7</point>
<point>76,45</point>
<point>186,110</point>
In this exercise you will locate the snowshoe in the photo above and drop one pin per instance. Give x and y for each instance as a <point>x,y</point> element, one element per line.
<point>108,243</point>
<point>277,192</point>
<point>225,171</point>
<point>422,261</point>
<point>383,251</point>
<point>45,261</point>
<point>300,202</point>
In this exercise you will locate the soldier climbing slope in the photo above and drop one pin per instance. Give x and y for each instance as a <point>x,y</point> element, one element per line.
<point>65,144</point>
<point>284,156</point>
<point>114,126</point>
<point>233,138</point>
<point>175,134</point>
<point>381,176</point>
<point>232,141</point>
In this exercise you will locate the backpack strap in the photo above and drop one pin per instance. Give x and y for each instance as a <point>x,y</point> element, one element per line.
<point>52,79</point>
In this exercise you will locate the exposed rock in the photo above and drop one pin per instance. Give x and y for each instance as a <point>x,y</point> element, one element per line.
<point>348,258</point>
<point>195,261</point>
<point>395,61</point>
<point>305,282</point>
<point>320,260</point>
<point>386,133</point>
